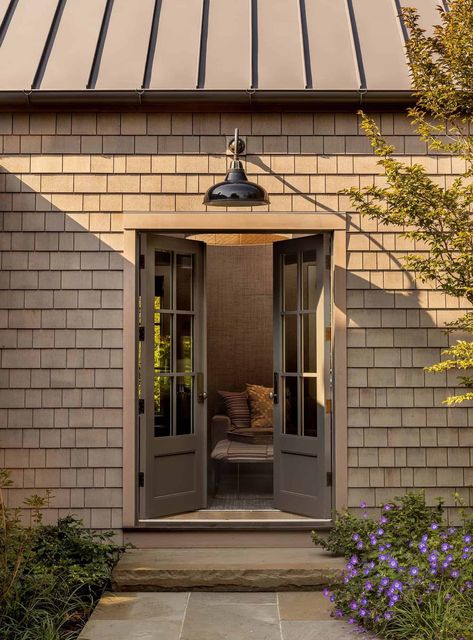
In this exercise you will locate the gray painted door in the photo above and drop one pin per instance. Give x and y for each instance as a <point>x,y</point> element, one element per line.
<point>302,420</point>
<point>172,377</point>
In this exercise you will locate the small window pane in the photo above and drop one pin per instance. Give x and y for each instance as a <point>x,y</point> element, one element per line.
<point>184,405</point>
<point>290,343</point>
<point>309,279</point>
<point>184,283</point>
<point>310,407</point>
<point>162,279</point>
<point>162,406</point>
<point>184,343</point>
<point>162,342</point>
<point>309,341</point>
<point>290,282</point>
<point>291,409</point>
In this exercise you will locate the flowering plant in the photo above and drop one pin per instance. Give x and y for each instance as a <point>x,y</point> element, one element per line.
<point>409,581</point>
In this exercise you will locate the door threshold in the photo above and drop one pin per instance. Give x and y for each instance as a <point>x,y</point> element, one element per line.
<point>235,519</point>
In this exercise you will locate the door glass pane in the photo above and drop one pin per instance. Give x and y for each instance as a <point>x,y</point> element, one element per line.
<point>184,343</point>
<point>309,342</point>
<point>290,405</point>
<point>184,405</point>
<point>310,407</point>
<point>290,343</point>
<point>162,342</point>
<point>184,283</point>
<point>290,282</point>
<point>162,406</point>
<point>162,279</point>
<point>309,280</point>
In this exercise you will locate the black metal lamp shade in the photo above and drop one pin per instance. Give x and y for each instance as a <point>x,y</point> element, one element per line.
<point>236,190</point>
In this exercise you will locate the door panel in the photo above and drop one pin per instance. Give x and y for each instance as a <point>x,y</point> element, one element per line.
<point>302,426</point>
<point>173,424</point>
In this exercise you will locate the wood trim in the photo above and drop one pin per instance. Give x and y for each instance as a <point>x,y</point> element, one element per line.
<point>240,222</point>
<point>130,466</point>
<point>193,222</point>
<point>340,382</point>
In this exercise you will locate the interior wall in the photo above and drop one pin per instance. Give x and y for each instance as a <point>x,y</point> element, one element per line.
<point>240,318</point>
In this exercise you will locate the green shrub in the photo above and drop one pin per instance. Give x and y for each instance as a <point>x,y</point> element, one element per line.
<point>51,576</point>
<point>408,575</point>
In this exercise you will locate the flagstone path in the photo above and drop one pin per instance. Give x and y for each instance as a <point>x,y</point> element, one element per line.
<point>215,616</point>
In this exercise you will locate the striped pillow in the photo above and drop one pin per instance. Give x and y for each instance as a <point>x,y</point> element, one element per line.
<point>236,405</point>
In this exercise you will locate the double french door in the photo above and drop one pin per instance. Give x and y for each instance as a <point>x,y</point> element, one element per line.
<point>172,377</point>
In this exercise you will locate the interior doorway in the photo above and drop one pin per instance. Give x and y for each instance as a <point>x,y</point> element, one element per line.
<point>234,372</point>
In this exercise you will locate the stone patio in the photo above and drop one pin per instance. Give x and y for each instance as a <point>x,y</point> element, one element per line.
<point>215,616</point>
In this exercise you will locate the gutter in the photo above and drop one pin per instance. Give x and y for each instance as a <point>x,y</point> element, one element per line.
<point>246,99</point>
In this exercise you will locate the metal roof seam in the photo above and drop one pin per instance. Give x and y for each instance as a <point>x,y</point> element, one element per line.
<point>94,70</point>
<point>43,61</point>
<point>153,38</point>
<point>7,19</point>
<point>254,43</point>
<point>357,45</point>
<point>400,17</point>
<point>305,45</point>
<point>204,34</point>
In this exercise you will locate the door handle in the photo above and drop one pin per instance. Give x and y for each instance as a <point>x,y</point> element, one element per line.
<point>274,394</point>
<point>202,396</point>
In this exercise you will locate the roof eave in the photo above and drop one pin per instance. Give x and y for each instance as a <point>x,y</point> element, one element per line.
<point>246,99</point>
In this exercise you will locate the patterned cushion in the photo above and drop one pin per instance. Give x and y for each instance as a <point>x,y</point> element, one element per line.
<point>236,405</point>
<point>261,406</point>
<point>251,436</point>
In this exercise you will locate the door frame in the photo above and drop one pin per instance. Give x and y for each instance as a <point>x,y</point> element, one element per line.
<point>239,222</point>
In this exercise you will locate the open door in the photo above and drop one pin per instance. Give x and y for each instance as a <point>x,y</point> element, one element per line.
<point>302,408</point>
<point>172,377</point>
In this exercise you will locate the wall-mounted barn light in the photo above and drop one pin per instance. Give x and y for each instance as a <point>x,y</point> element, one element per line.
<point>236,190</point>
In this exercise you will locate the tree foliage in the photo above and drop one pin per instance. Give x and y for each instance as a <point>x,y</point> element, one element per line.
<point>437,218</point>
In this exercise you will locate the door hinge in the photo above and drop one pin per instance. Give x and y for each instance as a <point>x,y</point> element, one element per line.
<point>328,406</point>
<point>141,479</point>
<point>329,478</point>
<point>141,406</point>
<point>328,333</point>
<point>141,334</point>
<point>142,261</point>
<point>328,261</point>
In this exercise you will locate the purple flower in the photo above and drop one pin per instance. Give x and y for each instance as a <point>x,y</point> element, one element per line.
<point>384,582</point>
<point>383,520</point>
<point>356,537</point>
<point>393,563</point>
<point>388,615</point>
<point>445,546</point>
<point>467,539</point>
<point>383,557</point>
<point>380,531</point>
<point>338,613</point>
<point>326,593</point>
<point>360,545</point>
<point>397,584</point>
<point>363,613</point>
<point>422,547</point>
<point>332,598</point>
<point>354,560</point>
<point>425,537</point>
<point>414,571</point>
<point>433,557</point>
<point>373,541</point>
<point>451,531</point>
<point>387,507</point>
<point>364,602</point>
<point>449,558</point>
<point>434,526</point>
<point>353,605</point>
<point>362,504</point>
<point>368,586</point>
<point>454,573</point>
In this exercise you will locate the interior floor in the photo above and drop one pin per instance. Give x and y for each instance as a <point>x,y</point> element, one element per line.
<point>246,501</point>
<point>226,514</point>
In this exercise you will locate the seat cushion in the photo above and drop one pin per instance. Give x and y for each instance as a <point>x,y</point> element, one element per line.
<point>242,452</point>
<point>237,408</point>
<point>251,436</point>
<point>261,406</point>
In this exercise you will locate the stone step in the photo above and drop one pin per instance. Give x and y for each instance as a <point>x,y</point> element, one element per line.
<point>230,569</point>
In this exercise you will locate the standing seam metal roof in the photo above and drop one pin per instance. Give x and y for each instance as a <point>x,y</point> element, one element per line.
<point>205,45</point>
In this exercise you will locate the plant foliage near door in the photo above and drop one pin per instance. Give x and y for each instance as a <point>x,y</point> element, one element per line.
<point>409,576</point>
<point>434,216</point>
<point>50,576</point>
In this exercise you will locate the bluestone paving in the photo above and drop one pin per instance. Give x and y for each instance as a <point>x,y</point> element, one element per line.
<point>215,616</point>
